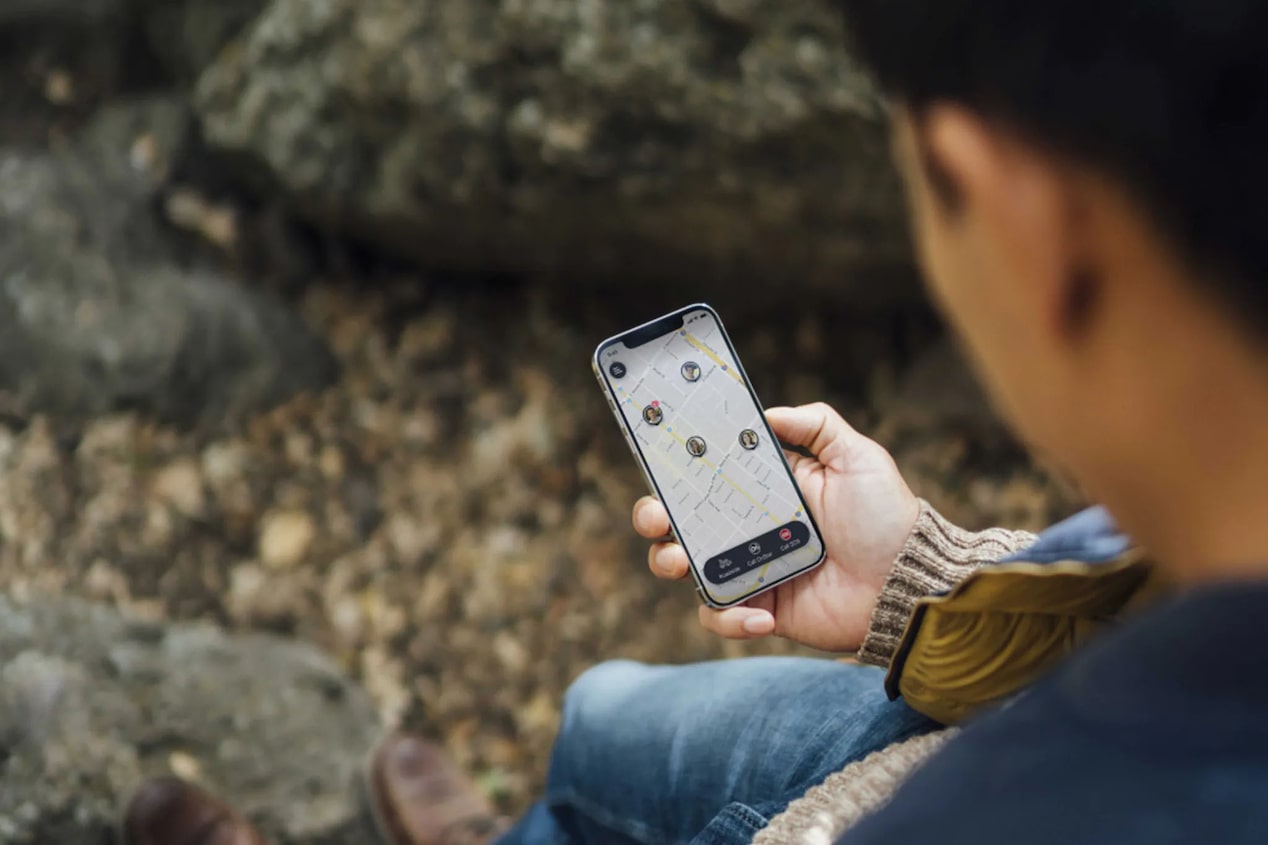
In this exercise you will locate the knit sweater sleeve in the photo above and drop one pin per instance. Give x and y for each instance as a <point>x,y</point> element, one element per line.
<point>938,555</point>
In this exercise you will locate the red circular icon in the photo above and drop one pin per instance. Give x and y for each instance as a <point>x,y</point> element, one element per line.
<point>785,534</point>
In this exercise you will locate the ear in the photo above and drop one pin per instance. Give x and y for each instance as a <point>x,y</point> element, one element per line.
<point>1024,209</point>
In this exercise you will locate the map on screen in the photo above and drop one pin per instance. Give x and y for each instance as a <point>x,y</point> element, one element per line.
<point>711,458</point>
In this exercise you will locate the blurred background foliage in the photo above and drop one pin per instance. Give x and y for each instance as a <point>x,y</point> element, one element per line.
<point>297,299</point>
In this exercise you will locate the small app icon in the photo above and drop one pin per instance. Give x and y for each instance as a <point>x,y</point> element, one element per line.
<point>696,446</point>
<point>785,534</point>
<point>691,371</point>
<point>748,439</point>
<point>652,414</point>
<point>755,547</point>
<point>617,370</point>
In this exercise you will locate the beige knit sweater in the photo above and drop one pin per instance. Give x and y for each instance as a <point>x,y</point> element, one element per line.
<point>937,556</point>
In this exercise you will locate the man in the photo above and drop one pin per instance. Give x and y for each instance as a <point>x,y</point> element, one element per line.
<point>1089,193</point>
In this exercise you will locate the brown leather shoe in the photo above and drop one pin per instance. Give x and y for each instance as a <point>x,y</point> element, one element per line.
<point>420,797</point>
<point>169,811</point>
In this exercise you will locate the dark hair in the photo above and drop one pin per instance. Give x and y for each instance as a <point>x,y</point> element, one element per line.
<point>1169,97</point>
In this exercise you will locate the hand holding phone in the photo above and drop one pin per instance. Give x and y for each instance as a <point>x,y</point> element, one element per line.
<point>856,506</point>
<point>865,511</point>
<point>689,414</point>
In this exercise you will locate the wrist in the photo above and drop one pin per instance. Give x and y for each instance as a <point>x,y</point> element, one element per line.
<point>937,555</point>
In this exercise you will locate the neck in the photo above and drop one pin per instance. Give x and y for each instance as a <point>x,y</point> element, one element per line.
<point>1191,474</point>
<point>1216,531</point>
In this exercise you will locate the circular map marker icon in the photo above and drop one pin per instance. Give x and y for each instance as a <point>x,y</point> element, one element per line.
<point>690,371</point>
<point>696,446</point>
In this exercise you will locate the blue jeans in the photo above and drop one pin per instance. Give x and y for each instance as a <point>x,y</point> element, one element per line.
<point>704,754</point>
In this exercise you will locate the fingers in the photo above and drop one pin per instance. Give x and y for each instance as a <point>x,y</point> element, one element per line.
<point>816,427</point>
<point>794,460</point>
<point>668,561</point>
<point>738,623</point>
<point>651,520</point>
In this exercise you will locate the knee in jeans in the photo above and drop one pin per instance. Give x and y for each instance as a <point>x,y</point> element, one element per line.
<point>591,699</point>
<point>594,715</point>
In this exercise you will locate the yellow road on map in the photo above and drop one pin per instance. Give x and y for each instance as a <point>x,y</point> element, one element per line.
<point>738,489</point>
<point>726,368</point>
<point>724,477</point>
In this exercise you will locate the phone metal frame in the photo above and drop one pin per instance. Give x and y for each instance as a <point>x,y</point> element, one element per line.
<point>657,328</point>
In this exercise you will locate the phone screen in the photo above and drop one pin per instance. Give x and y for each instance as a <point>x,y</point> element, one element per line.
<point>696,424</point>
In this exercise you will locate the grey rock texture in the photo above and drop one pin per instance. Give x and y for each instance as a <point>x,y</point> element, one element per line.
<point>186,35</point>
<point>704,142</point>
<point>121,37</point>
<point>60,11</point>
<point>97,312</point>
<point>83,40</point>
<point>90,703</point>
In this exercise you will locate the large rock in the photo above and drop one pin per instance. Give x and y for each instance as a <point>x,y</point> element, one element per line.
<point>90,703</point>
<point>185,35</point>
<point>719,142</point>
<point>99,313</point>
<point>86,12</point>
<point>104,47</point>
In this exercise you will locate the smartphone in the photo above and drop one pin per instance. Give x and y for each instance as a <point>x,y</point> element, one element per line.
<point>701,438</point>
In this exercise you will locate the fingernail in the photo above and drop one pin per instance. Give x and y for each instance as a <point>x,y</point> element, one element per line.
<point>758,623</point>
<point>662,560</point>
<point>640,517</point>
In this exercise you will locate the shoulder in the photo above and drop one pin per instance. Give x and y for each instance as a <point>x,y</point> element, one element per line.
<point>1036,773</point>
<point>1153,734</point>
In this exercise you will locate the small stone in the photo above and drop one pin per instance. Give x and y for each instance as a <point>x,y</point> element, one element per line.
<point>332,463</point>
<point>540,714</point>
<point>510,652</point>
<point>185,766</point>
<point>103,581</point>
<point>144,154</point>
<point>158,527</point>
<point>410,537</point>
<point>285,538</point>
<point>191,212</point>
<point>245,583</point>
<point>225,462</point>
<point>59,87</point>
<point>299,448</point>
<point>258,597</point>
<point>347,620</point>
<point>180,485</point>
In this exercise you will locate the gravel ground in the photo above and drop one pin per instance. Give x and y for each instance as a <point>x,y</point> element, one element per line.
<point>451,519</point>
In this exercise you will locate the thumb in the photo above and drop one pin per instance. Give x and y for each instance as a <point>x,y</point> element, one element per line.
<point>818,428</point>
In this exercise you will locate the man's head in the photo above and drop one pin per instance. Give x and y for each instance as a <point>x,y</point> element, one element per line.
<point>1089,189</point>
